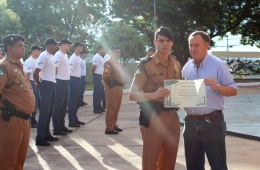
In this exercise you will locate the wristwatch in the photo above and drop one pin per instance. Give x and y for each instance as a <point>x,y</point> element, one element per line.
<point>217,88</point>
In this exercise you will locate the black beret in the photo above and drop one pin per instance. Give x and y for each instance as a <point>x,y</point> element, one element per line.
<point>113,48</point>
<point>151,49</point>
<point>36,47</point>
<point>165,32</point>
<point>50,41</point>
<point>76,44</point>
<point>9,40</point>
<point>65,41</point>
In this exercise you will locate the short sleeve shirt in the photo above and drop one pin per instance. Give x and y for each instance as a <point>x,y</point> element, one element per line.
<point>83,67</point>
<point>211,67</point>
<point>99,62</point>
<point>15,86</point>
<point>61,62</point>
<point>30,66</point>
<point>46,64</point>
<point>75,69</point>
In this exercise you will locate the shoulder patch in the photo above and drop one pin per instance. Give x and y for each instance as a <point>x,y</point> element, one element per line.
<point>2,72</point>
<point>107,65</point>
<point>139,70</point>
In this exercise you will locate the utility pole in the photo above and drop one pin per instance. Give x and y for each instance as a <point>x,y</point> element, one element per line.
<point>154,15</point>
<point>227,44</point>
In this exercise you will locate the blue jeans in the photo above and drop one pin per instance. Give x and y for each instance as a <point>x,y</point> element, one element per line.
<point>74,85</point>
<point>98,91</point>
<point>36,95</point>
<point>61,102</point>
<point>201,137</point>
<point>82,89</point>
<point>47,93</point>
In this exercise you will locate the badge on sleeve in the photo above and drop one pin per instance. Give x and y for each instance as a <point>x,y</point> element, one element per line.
<point>176,68</point>
<point>21,85</point>
<point>56,62</point>
<point>2,72</point>
<point>106,70</point>
<point>40,63</point>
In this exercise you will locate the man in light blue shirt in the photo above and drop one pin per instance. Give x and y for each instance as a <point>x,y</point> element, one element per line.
<point>205,128</point>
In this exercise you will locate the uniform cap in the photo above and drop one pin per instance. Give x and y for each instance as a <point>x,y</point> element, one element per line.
<point>69,53</point>
<point>65,41</point>
<point>36,47</point>
<point>77,43</point>
<point>9,40</point>
<point>100,46</point>
<point>151,49</point>
<point>165,32</point>
<point>50,41</point>
<point>84,51</point>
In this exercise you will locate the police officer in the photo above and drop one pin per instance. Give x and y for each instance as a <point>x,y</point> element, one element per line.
<point>83,77</point>
<point>75,74</point>
<point>159,126</point>
<point>17,103</point>
<point>31,63</point>
<point>44,76</point>
<point>113,79</point>
<point>61,62</point>
<point>150,52</point>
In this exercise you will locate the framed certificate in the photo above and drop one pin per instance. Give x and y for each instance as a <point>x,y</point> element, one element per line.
<point>185,93</point>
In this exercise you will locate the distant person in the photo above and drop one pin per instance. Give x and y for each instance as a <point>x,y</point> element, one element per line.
<point>17,103</point>
<point>97,71</point>
<point>44,76</point>
<point>31,63</point>
<point>61,62</point>
<point>106,57</point>
<point>150,52</point>
<point>1,52</point>
<point>83,66</point>
<point>69,54</point>
<point>74,84</point>
<point>205,129</point>
<point>113,79</point>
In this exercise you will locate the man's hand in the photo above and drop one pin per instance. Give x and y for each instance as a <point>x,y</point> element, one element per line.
<point>161,92</point>
<point>104,83</point>
<point>37,85</point>
<point>211,82</point>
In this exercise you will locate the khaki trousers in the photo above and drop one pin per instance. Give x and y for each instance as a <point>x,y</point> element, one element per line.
<point>14,142</point>
<point>160,141</point>
<point>114,99</point>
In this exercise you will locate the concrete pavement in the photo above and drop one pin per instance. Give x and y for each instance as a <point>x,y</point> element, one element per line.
<point>89,148</point>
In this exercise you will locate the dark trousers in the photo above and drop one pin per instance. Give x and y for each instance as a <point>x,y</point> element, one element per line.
<point>74,85</point>
<point>82,89</point>
<point>61,102</point>
<point>47,93</point>
<point>36,95</point>
<point>98,91</point>
<point>201,137</point>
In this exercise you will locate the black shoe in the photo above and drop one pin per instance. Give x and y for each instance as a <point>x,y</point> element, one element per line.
<point>80,123</point>
<point>119,129</point>
<point>42,143</point>
<point>85,103</point>
<point>112,132</point>
<point>74,125</point>
<point>59,132</point>
<point>51,138</point>
<point>33,126</point>
<point>102,110</point>
<point>65,129</point>
<point>97,111</point>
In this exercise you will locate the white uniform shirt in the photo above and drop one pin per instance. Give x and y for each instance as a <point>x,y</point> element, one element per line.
<point>61,62</point>
<point>46,64</point>
<point>30,66</point>
<point>99,62</point>
<point>106,57</point>
<point>75,69</point>
<point>83,67</point>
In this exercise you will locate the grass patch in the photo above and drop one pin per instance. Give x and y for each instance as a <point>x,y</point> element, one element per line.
<point>90,86</point>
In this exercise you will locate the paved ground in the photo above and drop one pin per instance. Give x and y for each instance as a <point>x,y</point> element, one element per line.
<point>89,148</point>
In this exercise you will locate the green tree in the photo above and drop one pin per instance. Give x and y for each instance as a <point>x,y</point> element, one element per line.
<point>9,21</point>
<point>183,17</point>
<point>131,41</point>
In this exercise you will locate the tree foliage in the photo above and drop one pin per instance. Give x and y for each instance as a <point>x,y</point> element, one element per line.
<point>183,17</point>
<point>78,20</point>
<point>131,42</point>
<point>10,21</point>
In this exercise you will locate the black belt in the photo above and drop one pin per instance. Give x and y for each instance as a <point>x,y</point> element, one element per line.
<point>209,115</point>
<point>19,114</point>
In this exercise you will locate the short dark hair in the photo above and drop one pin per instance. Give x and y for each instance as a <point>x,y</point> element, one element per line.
<point>113,48</point>
<point>100,46</point>
<point>164,31</point>
<point>10,40</point>
<point>205,36</point>
<point>151,49</point>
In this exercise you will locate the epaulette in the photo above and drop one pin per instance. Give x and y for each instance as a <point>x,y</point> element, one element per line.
<point>174,57</point>
<point>141,65</point>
